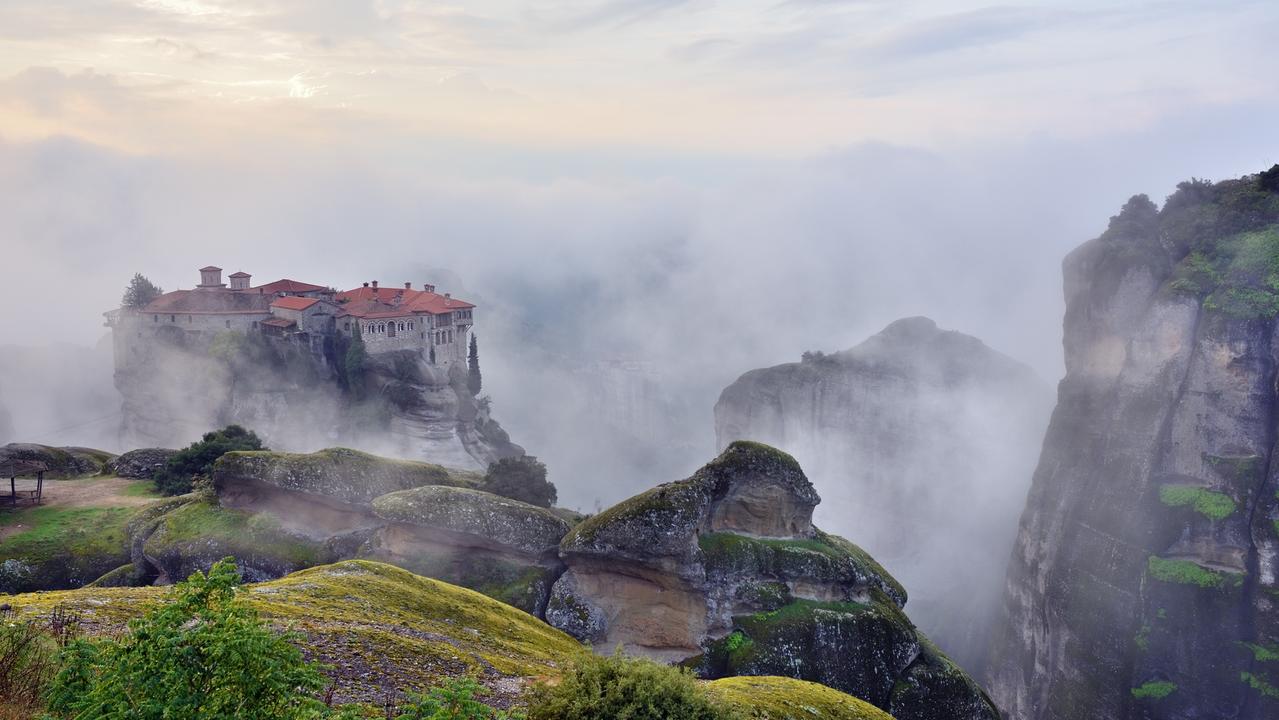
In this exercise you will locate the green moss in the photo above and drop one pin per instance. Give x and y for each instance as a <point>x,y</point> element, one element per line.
<point>1154,690</point>
<point>232,532</point>
<point>1263,653</point>
<point>778,698</point>
<point>1185,572</point>
<point>1260,685</point>
<point>396,625</point>
<point>64,547</point>
<point>1212,505</point>
<point>1244,275</point>
<point>140,488</point>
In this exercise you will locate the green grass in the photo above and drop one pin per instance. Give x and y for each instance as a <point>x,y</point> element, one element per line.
<point>1154,690</point>
<point>239,533</point>
<point>1183,572</point>
<point>140,488</point>
<point>65,547</point>
<point>1212,505</point>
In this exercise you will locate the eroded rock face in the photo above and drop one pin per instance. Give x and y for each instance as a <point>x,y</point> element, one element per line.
<point>179,385</point>
<point>922,442</point>
<point>1142,584</point>
<point>726,571</point>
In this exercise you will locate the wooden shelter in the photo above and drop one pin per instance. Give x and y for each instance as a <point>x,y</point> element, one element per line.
<point>24,468</point>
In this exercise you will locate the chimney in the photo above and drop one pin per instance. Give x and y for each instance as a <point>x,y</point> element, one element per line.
<point>408,286</point>
<point>240,280</point>
<point>375,287</point>
<point>448,296</point>
<point>428,287</point>
<point>366,284</point>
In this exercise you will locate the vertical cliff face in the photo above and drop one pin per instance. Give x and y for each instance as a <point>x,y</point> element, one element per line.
<point>1142,583</point>
<point>922,442</point>
<point>174,390</point>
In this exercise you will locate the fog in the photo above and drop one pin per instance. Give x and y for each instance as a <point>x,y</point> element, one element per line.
<point>645,200</point>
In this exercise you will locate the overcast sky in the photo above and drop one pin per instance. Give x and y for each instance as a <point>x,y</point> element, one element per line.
<point>713,185</point>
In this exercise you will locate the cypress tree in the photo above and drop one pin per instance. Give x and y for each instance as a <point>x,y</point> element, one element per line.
<point>473,379</point>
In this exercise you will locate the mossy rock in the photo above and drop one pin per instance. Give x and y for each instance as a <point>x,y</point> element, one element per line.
<point>61,547</point>
<point>824,559</point>
<point>63,462</point>
<point>197,534</point>
<point>491,518</point>
<point>935,688</point>
<point>345,475</point>
<point>662,522</point>
<point>129,575</point>
<point>522,584</point>
<point>815,641</point>
<point>783,698</point>
<point>378,627</point>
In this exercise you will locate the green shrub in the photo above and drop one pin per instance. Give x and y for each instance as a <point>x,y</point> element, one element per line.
<point>27,663</point>
<point>203,655</point>
<point>197,458</point>
<point>520,478</point>
<point>624,688</point>
<point>455,700</point>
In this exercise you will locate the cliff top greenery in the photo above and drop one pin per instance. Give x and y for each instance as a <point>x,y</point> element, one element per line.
<point>1220,241</point>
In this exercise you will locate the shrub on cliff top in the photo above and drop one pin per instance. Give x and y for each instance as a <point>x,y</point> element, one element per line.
<point>520,478</point>
<point>204,655</point>
<point>198,457</point>
<point>624,688</point>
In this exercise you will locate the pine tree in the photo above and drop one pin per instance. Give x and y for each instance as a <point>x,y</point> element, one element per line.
<point>473,379</point>
<point>140,292</point>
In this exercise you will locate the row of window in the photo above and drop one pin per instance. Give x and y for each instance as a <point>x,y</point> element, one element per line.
<point>383,328</point>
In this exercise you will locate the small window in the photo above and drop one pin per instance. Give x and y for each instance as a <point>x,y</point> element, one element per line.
<point>188,319</point>
<point>228,324</point>
<point>346,326</point>
<point>173,318</point>
<point>155,318</point>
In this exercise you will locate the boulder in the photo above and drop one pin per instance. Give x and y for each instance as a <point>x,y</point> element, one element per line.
<point>726,572</point>
<point>63,462</point>
<point>502,547</point>
<point>143,463</point>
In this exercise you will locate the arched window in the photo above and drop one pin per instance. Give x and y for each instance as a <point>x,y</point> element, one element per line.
<point>401,327</point>
<point>381,327</point>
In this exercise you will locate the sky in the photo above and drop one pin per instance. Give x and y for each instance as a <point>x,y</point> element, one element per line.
<point>706,186</point>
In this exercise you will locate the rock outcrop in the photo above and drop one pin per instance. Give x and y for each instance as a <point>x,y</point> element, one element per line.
<point>175,388</point>
<point>1143,580</point>
<point>63,462</point>
<point>921,442</point>
<point>726,571</point>
<point>142,464</point>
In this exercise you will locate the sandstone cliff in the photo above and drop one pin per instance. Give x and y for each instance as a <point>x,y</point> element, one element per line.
<point>921,442</point>
<point>1142,584</point>
<point>726,571</point>
<point>175,388</point>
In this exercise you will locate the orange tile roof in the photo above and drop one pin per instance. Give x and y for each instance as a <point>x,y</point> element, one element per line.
<point>293,302</point>
<point>286,286</point>
<point>368,302</point>
<point>216,301</point>
<point>279,322</point>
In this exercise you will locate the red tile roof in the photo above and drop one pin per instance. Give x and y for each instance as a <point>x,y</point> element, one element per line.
<point>279,322</point>
<point>212,301</point>
<point>368,302</point>
<point>286,286</point>
<point>293,302</point>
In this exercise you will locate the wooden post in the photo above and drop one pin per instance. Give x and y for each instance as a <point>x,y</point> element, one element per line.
<point>39,486</point>
<point>13,490</point>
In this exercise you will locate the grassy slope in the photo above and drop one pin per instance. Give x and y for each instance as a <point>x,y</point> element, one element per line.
<point>778,698</point>
<point>378,626</point>
<point>64,546</point>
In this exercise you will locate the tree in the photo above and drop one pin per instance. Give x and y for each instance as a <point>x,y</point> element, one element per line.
<point>520,478</point>
<point>140,292</point>
<point>473,380</point>
<point>353,364</point>
<point>197,458</point>
<point>203,655</point>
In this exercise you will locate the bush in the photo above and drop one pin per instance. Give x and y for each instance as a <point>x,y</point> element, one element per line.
<point>198,457</point>
<point>204,655</point>
<point>520,478</point>
<point>27,655</point>
<point>455,700</point>
<point>623,687</point>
